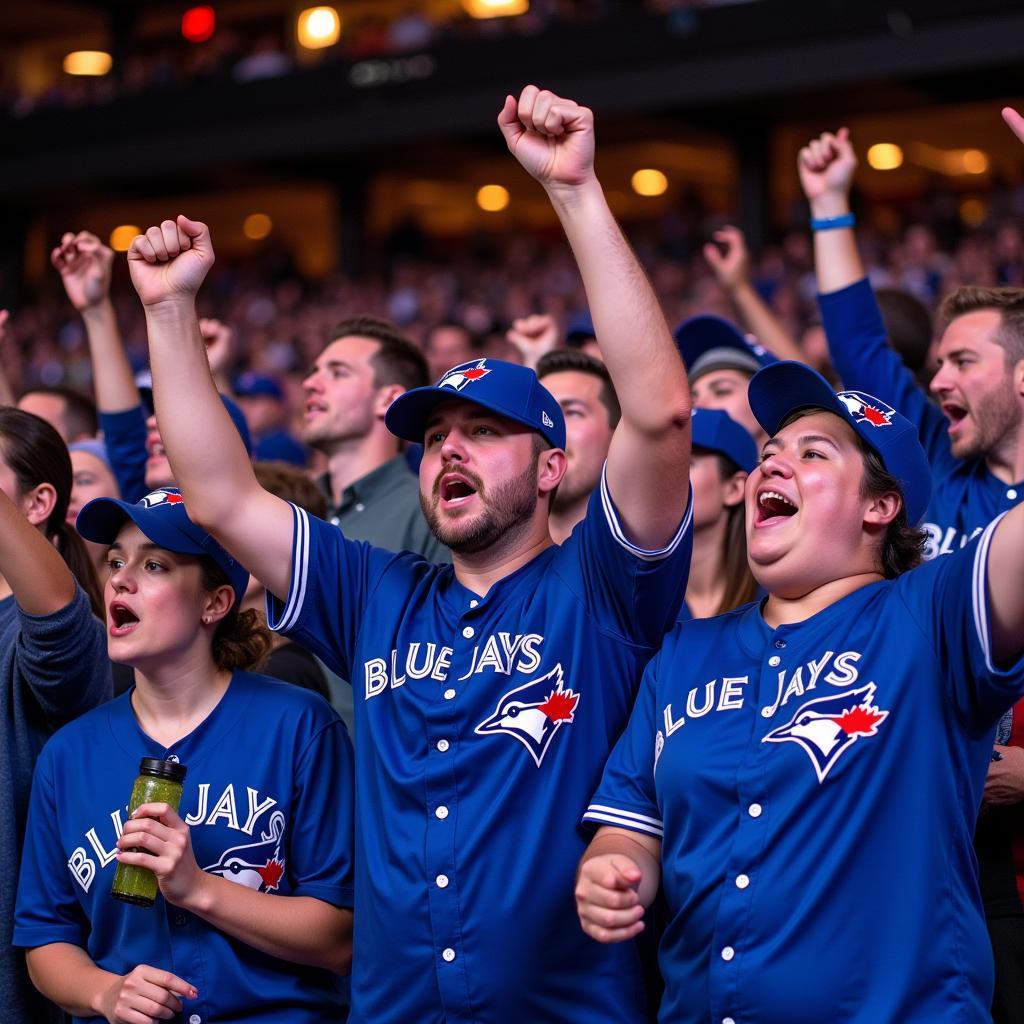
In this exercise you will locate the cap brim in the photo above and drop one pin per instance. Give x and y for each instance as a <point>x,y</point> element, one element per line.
<point>102,518</point>
<point>407,416</point>
<point>781,389</point>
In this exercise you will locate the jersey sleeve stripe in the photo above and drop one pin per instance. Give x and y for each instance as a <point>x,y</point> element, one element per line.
<point>624,819</point>
<point>617,532</point>
<point>300,571</point>
<point>979,588</point>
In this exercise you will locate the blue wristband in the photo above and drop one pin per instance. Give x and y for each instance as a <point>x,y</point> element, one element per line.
<point>846,220</point>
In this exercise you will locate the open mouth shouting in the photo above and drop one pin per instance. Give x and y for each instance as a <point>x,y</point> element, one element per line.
<point>455,490</point>
<point>121,618</point>
<point>955,413</point>
<point>773,508</point>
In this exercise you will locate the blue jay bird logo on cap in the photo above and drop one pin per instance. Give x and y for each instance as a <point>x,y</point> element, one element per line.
<point>867,409</point>
<point>533,713</point>
<point>460,376</point>
<point>161,497</point>
<point>827,727</point>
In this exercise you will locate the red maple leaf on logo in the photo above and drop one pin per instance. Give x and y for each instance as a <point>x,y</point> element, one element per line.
<point>875,416</point>
<point>475,374</point>
<point>860,721</point>
<point>271,873</point>
<point>560,705</point>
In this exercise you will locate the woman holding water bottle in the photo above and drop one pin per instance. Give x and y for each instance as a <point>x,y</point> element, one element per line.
<point>235,905</point>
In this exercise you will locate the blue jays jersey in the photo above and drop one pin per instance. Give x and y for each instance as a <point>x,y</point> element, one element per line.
<point>815,788</point>
<point>966,496</point>
<point>483,724</point>
<point>268,801</point>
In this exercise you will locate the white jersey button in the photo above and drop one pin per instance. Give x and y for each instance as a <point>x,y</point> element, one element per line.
<point>774,660</point>
<point>1012,493</point>
<point>195,1019</point>
<point>443,745</point>
<point>468,632</point>
<point>442,881</point>
<point>728,953</point>
<point>473,603</point>
<point>742,881</point>
<point>754,810</point>
<point>360,507</point>
<point>448,955</point>
<point>780,644</point>
<point>728,1020</point>
<point>441,812</point>
<point>449,694</point>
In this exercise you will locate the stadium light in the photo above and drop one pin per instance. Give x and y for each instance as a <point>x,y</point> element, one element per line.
<point>257,226</point>
<point>974,161</point>
<point>973,212</point>
<point>121,237</point>
<point>649,182</point>
<point>198,23</point>
<point>492,198</point>
<point>318,27</point>
<point>88,62</point>
<point>495,8</point>
<point>885,156</point>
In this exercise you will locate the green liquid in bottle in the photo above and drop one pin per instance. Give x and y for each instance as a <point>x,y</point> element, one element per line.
<point>159,782</point>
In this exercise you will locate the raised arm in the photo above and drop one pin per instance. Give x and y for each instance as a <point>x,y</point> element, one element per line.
<point>36,574</point>
<point>1006,588</point>
<point>731,267</point>
<point>168,264</point>
<point>648,462</point>
<point>826,166</point>
<point>85,263</point>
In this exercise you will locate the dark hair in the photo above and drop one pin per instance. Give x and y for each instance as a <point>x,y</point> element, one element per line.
<point>36,455</point>
<point>397,360</point>
<point>902,545</point>
<point>562,360</point>
<point>80,418</point>
<point>740,585</point>
<point>241,639</point>
<point>1007,302</point>
<point>908,324</point>
<point>292,484</point>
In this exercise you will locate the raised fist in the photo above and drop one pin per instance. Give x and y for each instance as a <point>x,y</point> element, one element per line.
<point>731,267</point>
<point>534,336</point>
<point>553,138</point>
<point>826,166</point>
<point>84,263</point>
<point>170,262</point>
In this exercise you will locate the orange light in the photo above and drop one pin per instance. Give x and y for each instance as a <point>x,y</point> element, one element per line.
<point>318,27</point>
<point>885,156</point>
<point>492,198</point>
<point>88,62</point>
<point>257,226</point>
<point>121,237</point>
<point>495,8</point>
<point>649,182</point>
<point>198,23</point>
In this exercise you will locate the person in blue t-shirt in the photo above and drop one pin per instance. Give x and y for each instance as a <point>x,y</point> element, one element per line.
<point>253,919</point>
<point>803,774</point>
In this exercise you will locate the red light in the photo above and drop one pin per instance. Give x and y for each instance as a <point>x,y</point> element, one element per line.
<point>197,24</point>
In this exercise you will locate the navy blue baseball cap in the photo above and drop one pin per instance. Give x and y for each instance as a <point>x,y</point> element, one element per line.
<point>784,388</point>
<point>236,414</point>
<point>709,343</point>
<point>257,385</point>
<point>716,431</point>
<point>161,516</point>
<point>508,389</point>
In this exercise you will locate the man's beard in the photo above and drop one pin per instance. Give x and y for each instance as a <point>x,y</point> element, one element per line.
<point>997,421</point>
<point>505,515</point>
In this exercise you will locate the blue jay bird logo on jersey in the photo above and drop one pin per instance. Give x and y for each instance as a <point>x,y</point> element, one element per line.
<point>827,727</point>
<point>161,497</point>
<point>257,866</point>
<point>867,409</point>
<point>533,713</point>
<point>460,376</point>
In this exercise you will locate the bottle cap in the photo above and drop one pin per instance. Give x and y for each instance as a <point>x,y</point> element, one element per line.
<point>172,770</point>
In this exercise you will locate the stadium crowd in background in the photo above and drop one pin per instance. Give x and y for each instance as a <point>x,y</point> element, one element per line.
<point>659,471</point>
